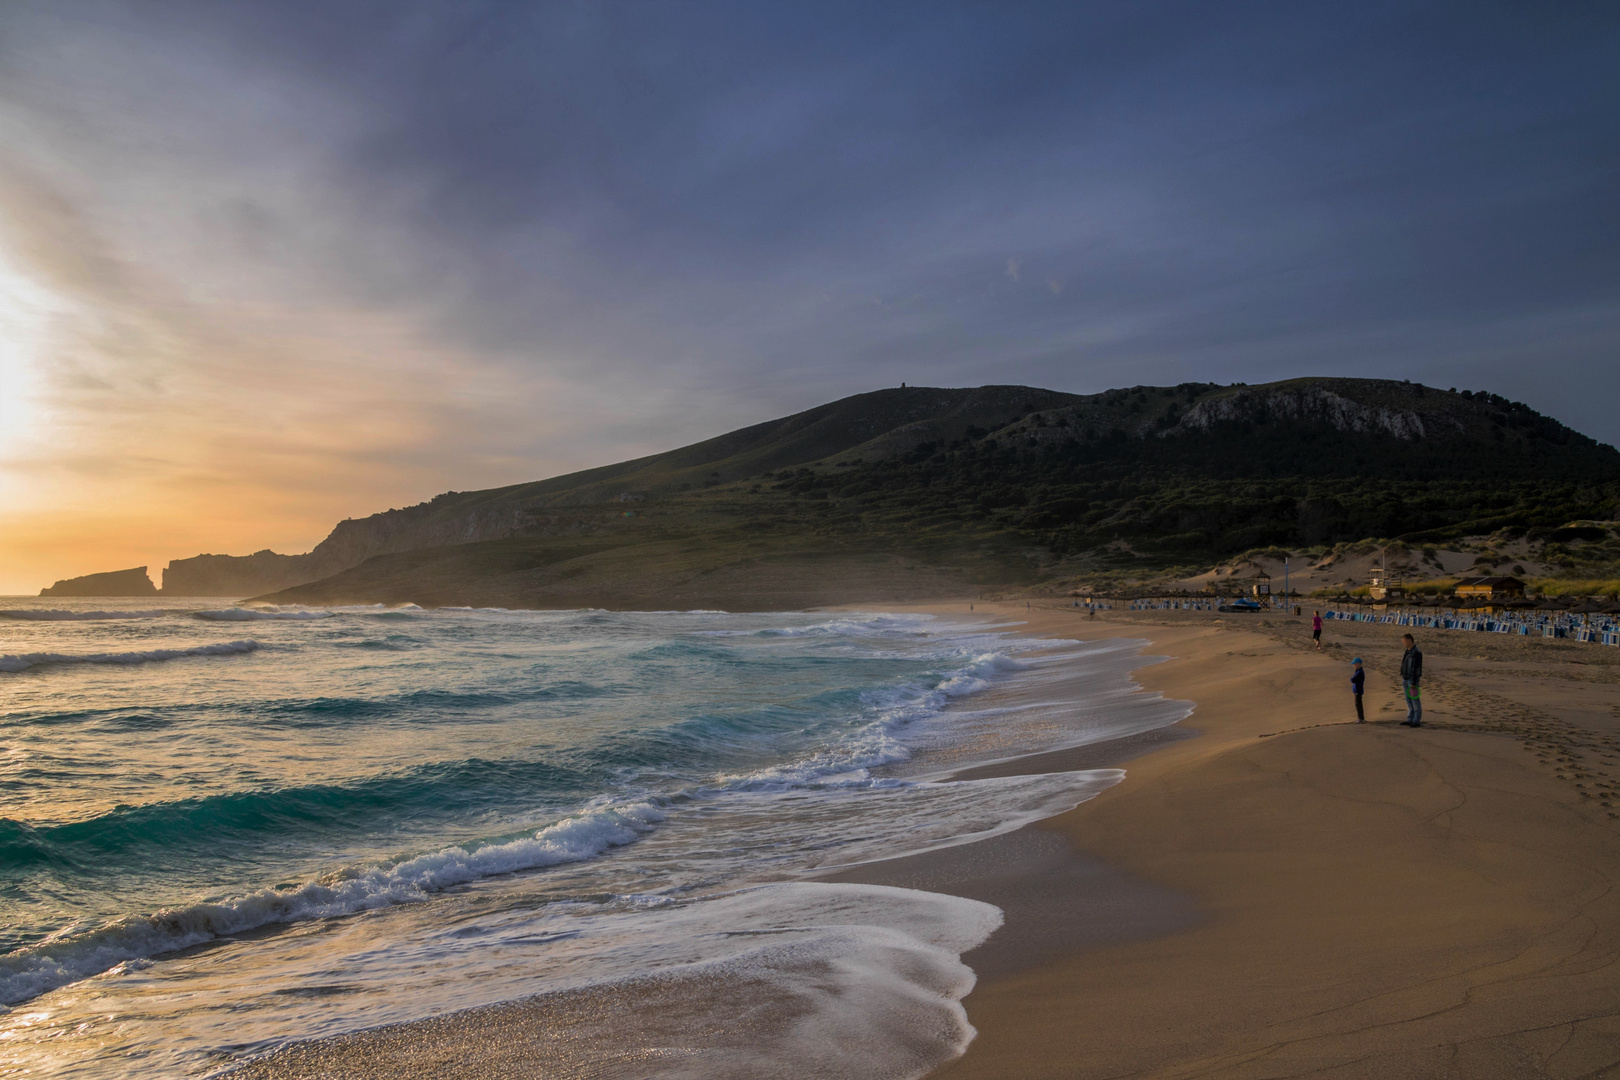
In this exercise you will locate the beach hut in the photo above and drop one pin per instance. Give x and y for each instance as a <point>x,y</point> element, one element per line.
<point>1491,588</point>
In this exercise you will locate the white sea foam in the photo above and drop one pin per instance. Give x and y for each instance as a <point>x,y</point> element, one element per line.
<point>39,615</point>
<point>239,614</point>
<point>14,662</point>
<point>977,674</point>
<point>843,981</point>
<point>32,971</point>
<point>835,981</point>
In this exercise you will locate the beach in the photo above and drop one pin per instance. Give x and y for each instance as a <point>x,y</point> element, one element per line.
<point>1248,882</point>
<point>1354,900</point>
<point>1272,890</point>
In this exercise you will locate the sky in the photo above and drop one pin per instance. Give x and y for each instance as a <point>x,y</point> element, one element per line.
<point>267,265</point>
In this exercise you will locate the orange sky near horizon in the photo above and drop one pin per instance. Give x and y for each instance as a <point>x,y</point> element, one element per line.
<point>262,435</point>
<point>134,433</point>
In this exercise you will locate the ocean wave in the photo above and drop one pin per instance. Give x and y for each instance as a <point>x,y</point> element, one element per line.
<point>38,615</point>
<point>239,614</point>
<point>848,761</point>
<point>15,662</point>
<point>392,643</point>
<point>138,833</point>
<point>29,972</point>
<point>857,626</point>
<point>979,671</point>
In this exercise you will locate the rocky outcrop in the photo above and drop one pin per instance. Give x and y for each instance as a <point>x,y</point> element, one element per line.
<point>424,525</point>
<point>1304,403</point>
<point>132,582</point>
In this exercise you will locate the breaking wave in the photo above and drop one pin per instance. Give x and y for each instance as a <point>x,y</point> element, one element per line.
<point>14,662</point>
<point>33,615</point>
<point>32,971</point>
<point>240,614</point>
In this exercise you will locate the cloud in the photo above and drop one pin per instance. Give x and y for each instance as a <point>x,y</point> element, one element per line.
<point>344,256</point>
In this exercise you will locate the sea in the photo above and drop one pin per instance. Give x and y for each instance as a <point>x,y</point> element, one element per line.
<point>226,829</point>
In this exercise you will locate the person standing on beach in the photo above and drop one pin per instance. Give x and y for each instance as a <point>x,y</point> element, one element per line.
<point>1411,674</point>
<point>1358,680</point>
<point>1316,630</point>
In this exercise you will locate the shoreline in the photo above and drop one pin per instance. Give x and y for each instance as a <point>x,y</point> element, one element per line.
<point>1367,900</point>
<point>1054,899</point>
<point>1025,871</point>
<point>1271,891</point>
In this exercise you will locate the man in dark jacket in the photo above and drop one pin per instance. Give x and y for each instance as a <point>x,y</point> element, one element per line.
<point>1411,675</point>
<point>1358,682</point>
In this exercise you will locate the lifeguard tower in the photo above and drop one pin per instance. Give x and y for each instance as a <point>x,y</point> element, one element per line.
<point>1384,587</point>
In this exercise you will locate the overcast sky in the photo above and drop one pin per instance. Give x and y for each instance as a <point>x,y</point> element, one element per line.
<point>267,265</point>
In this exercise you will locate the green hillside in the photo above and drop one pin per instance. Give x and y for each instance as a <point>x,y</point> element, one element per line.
<point>948,489</point>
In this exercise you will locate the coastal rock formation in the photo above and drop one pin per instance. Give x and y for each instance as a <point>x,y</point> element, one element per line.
<point>131,582</point>
<point>238,575</point>
<point>1310,403</point>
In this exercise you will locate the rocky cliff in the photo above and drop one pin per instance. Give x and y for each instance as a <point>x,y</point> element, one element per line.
<point>241,575</point>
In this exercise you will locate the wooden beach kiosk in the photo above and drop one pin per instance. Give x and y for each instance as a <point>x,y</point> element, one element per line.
<point>1495,589</point>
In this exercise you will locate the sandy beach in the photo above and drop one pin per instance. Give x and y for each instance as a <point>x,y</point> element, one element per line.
<point>1293,894</point>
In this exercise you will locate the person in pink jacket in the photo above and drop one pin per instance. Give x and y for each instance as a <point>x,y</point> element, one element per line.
<point>1316,629</point>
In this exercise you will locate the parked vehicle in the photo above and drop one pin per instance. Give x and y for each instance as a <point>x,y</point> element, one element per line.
<point>1242,603</point>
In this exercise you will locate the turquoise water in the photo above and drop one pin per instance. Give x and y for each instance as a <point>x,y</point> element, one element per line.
<point>181,776</point>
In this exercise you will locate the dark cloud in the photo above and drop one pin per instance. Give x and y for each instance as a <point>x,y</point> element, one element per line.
<point>792,202</point>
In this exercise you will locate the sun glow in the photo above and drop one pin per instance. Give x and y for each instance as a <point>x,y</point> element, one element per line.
<point>25,316</point>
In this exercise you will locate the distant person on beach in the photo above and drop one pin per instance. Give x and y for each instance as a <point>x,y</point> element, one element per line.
<point>1358,681</point>
<point>1316,629</point>
<point>1411,674</point>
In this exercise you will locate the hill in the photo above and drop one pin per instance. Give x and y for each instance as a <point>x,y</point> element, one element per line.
<point>941,489</point>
